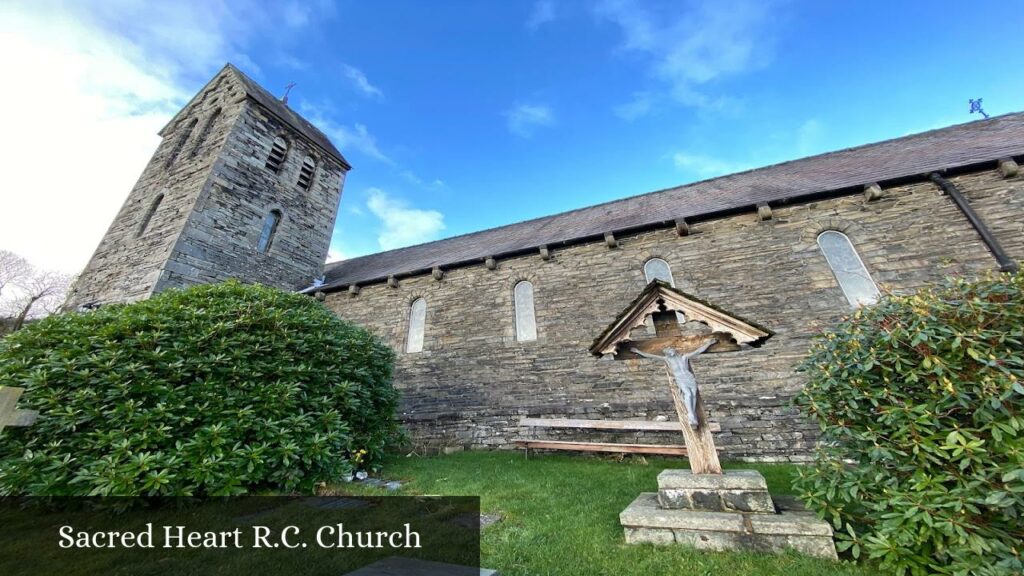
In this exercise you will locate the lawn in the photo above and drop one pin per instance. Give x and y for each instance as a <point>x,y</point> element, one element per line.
<point>560,515</point>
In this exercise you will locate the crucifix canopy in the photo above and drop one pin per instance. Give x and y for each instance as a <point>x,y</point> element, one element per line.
<point>662,301</point>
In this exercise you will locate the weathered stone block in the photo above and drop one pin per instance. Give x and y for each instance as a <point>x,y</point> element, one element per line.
<point>802,523</point>
<point>644,521</point>
<point>729,480</point>
<point>644,512</point>
<point>649,536</point>
<point>760,502</point>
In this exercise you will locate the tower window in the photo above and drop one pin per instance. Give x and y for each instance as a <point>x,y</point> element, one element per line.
<point>149,215</point>
<point>657,269</point>
<point>417,326</point>
<point>269,229</point>
<point>277,155</point>
<point>526,320</point>
<point>306,173</point>
<point>204,133</point>
<point>848,268</point>
<point>180,143</point>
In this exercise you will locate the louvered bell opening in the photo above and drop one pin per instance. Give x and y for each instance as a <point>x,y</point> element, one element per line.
<point>277,155</point>
<point>306,175</point>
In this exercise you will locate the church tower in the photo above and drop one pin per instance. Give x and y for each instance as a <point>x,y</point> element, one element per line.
<point>240,187</point>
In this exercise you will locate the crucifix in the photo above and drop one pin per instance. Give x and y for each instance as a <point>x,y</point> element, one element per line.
<point>684,328</point>
<point>678,351</point>
<point>9,415</point>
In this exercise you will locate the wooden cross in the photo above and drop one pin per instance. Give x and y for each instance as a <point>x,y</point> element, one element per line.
<point>9,414</point>
<point>700,445</point>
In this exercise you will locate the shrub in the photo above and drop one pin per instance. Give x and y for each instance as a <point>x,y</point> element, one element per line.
<point>214,390</point>
<point>920,400</point>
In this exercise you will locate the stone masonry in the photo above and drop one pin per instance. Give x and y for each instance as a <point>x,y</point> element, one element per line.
<point>216,193</point>
<point>473,381</point>
<point>197,211</point>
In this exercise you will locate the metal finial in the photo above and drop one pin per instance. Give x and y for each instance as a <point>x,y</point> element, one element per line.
<point>976,107</point>
<point>287,89</point>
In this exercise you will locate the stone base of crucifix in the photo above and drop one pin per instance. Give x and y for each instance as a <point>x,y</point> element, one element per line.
<point>711,509</point>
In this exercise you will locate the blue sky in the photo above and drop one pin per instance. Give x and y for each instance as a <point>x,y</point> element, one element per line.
<point>459,116</point>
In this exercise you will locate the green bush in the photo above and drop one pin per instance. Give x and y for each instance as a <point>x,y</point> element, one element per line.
<point>213,390</point>
<point>921,406</point>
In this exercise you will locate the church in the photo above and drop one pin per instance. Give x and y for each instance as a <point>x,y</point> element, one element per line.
<point>496,326</point>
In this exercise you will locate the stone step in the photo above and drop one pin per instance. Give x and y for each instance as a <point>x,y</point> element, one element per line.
<point>728,480</point>
<point>644,521</point>
<point>732,491</point>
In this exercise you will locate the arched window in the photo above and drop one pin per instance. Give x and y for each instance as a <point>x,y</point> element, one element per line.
<point>526,321</point>
<point>181,142</point>
<point>417,325</point>
<point>656,268</point>
<point>848,268</point>
<point>149,215</point>
<point>204,133</point>
<point>277,155</point>
<point>269,229</point>
<point>306,173</point>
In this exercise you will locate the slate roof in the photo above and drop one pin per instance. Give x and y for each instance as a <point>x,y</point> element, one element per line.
<point>282,111</point>
<point>848,170</point>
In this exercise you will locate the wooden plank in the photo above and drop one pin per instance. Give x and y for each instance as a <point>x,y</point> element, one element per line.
<point>703,454</point>
<point>647,425</point>
<point>672,450</point>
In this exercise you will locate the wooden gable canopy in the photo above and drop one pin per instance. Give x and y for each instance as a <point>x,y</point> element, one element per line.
<point>659,298</point>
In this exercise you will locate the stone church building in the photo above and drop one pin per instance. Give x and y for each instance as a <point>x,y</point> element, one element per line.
<point>494,326</point>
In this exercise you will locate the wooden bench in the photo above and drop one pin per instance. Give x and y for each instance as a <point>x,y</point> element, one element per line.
<point>624,425</point>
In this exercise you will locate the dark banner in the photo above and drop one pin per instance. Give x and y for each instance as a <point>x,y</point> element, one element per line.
<point>252,535</point>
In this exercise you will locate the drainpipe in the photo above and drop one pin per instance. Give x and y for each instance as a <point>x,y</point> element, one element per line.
<point>1006,264</point>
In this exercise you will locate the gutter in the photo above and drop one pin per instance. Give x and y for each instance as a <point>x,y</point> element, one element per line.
<point>1006,264</point>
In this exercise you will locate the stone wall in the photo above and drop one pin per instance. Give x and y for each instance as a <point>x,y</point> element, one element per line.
<point>220,238</point>
<point>473,380</point>
<point>216,193</point>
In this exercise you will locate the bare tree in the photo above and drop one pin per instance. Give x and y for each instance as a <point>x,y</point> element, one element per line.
<point>13,269</point>
<point>27,292</point>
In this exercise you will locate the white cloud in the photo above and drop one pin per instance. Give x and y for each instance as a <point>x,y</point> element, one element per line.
<point>523,119</point>
<point>809,137</point>
<point>704,166</point>
<point>360,81</point>
<point>346,138</point>
<point>334,255</point>
<point>296,14</point>
<point>542,13</point>
<point>639,106</point>
<point>91,84</point>
<point>402,224</point>
<point>690,47</point>
<point>357,137</point>
<point>413,178</point>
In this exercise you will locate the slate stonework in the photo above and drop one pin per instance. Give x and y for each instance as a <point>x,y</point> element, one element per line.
<point>473,380</point>
<point>216,194</point>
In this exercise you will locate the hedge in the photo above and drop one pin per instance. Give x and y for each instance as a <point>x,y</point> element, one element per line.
<point>921,406</point>
<point>214,390</point>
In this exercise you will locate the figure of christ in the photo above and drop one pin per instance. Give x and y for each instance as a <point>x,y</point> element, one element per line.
<point>685,380</point>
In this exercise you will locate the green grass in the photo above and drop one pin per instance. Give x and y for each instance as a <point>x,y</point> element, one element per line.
<point>561,515</point>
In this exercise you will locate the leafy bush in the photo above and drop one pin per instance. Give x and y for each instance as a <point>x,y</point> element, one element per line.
<point>920,401</point>
<point>213,390</point>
